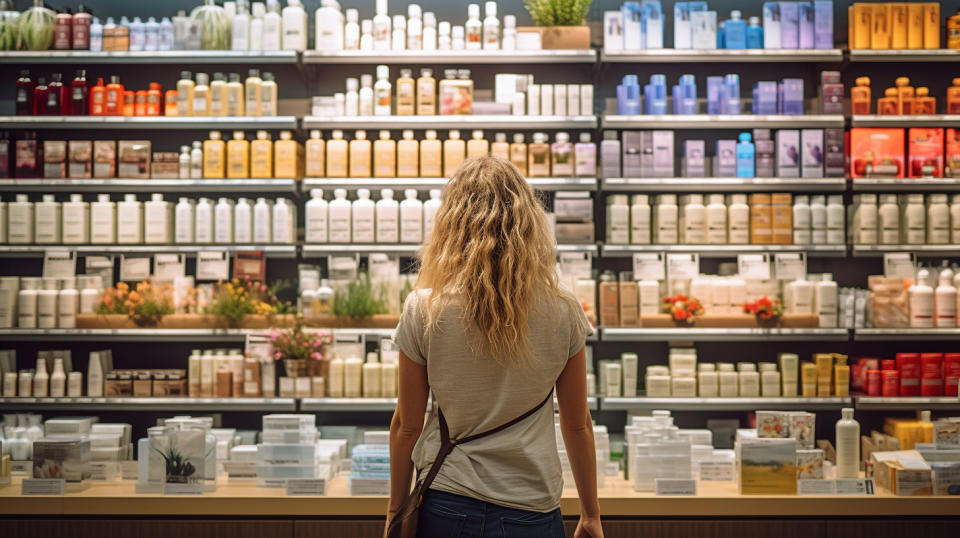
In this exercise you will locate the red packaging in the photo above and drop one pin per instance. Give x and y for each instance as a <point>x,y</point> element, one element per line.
<point>890,383</point>
<point>925,152</point>
<point>888,364</point>
<point>877,153</point>
<point>875,382</point>
<point>951,373</point>
<point>952,154</point>
<point>859,375</point>
<point>931,374</point>
<point>908,364</point>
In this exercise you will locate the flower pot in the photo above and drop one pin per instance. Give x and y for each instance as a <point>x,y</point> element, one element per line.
<point>561,37</point>
<point>104,321</point>
<point>379,321</point>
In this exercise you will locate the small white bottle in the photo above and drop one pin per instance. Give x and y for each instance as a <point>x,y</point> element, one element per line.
<point>921,298</point>
<point>801,220</point>
<point>836,217</point>
<point>243,221</point>
<point>414,27</point>
<point>203,229</point>
<point>443,36</point>
<point>411,218</point>
<point>41,380</point>
<point>258,11</point>
<point>938,220</point>
<point>351,106</point>
<point>665,219</point>
<point>429,31</point>
<point>95,376</point>
<point>457,38</point>
<point>366,95</point>
<point>865,220</point>
<point>240,29</point>
<point>693,220</point>
<point>58,379</point>
<point>316,215</point>
<point>382,92</point>
<point>47,305</point>
<point>294,26</point>
<point>848,445</point>
<point>366,35</point>
<point>340,211</point>
<point>129,220</point>
<point>618,219</point>
<point>388,219</point>
<point>826,298</point>
<point>76,221</point>
<point>738,220</point>
<point>509,33</point>
<point>46,221</point>
<point>68,305</point>
<point>945,301</point>
<point>491,27</point>
<point>473,28</point>
<point>888,220</point>
<point>184,162</point>
<point>381,27</point>
<point>262,221</point>
<point>363,220</point>
<point>430,208</point>
<point>716,220</point>
<point>223,221</point>
<point>351,31</point>
<point>818,219</point>
<point>913,221</point>
<point>800,297</point>
<point>329,26</point>
<point>284,222</point>
<point>196,160</point>
<point>399,34</point>
<point>640,219</point>
<point>183,221</point>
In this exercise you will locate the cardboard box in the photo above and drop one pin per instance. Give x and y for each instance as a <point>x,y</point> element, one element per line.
<point>80,164</point>
<point>761,219</point>
<point>165,165</point>
<point>788,153</point>
<point>55,159</point>
<point>575,232</point>
<point>925,152</point>
<point>693,163</point>
<point>781,211</point>
<point>133,159</point>
<point>811,162</point>
<point>768,466</point>
<point>952,154</point>
<point>104,159</point>
<point>877,153</point>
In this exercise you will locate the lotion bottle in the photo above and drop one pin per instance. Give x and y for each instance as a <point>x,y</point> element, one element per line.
<point>454,152</point>
<point>58,379</point>
<point>848,445</point>
<point>184,220</point>
<point>238,157</point>
<point>293,26</point>
<point>360,155</point>
<point>103,221</point>
<point>214,157</point>
<point>477,146</point>
<point>826,298</point>
<point>223,221</point>
<point>316,218</point>
<point>262,221</point>
<point>384,156</point>
<point>921,299</point>
<point>76,221</point>
<point>430,155</point>
<point>341,219</point>
<point>243,222</point>
<point>158,220</point>
<point>46,224</point>
<point>945,300</point>
<point>261,156</point>
<point>408,156</point>
<point>203,227</point>
<point>387,221</point>
<point>129,220</point>
<point>363,220</point>
<point>284,222</point>
<point>336,160</point>
<point>315,154</point>
<point>382,92</point>
<point>411,218</point>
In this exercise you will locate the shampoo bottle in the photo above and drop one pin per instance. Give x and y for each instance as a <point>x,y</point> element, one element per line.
<point>387,221</point>
<point>363,217</point>
<point>411,218</point>
<point>848,445</point>
<point>340,217</point>
<point>316,218</point>
<point>408,155</point>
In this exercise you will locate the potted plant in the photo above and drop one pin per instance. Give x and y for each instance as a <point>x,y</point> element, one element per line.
<point>144,306</point>
<point>767,311</point>
<point>247,303</point>
<point>560,23</point>
<point>682,309</point>
<point>299,349</point>
<point>361,304</point>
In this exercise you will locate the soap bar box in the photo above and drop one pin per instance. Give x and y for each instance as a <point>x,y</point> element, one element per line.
<point>80,164</point>
<point>55,159</point>
<point>693,163</point>
<point>812,159</point>
<point>104,159</point>
<point>768,466</point>
<point>788,153</point>
<point>133,159</point>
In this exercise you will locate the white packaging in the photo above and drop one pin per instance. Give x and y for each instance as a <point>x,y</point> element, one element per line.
<point>340,211</point>
<point>76,221</point>
<point>129,220</point>
<point>284,222</point>
<point>183,221</point>
<point>223,221</point>
<point>411,218</point>
<point>387,218</point>
<point>586,99</point>
<point>158,220</point>
<point>363,217</point>
<point>546,100</point>
<point>243,221</point>
<point>46,222</point>
<point>203,227</point>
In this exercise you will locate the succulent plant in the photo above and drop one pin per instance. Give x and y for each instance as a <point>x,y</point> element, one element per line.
<point>557,12</point>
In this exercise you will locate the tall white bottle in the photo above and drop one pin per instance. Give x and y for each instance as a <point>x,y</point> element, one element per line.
<point>158,220</point>
<point>411,218</point>
<point>351,31</point>
<point>473,28</point>
<point>340,217</point>
<point>272,26</point>
<point>382,92</point>
<point>46,221</point>
<point>414,27</point>
<point>920,297</point>
<point>243,222</point>
<point>41,379</point>
<point>329,26</point>
<point>491,27</point>
<point>316,208</point>
<point>284,222</point>
<point>240,30</point>
<point>381,27</point>
<point>95,376</point>
<point>183,221</point>
<point>430,208</point>
<point>429,31</point>
<point>76,221</point>
<point>258,12</point>
<point>387,225</point>
<point>945,301</point>
<point>223,221</point>
<point>68,305</point>
<point>640,219</point>
<point>826,297</point>
<point>203,229</point>
<point>129,220</point>
<point>363,210</point>
<point>103,221</point>
<point>262,221</point>
<point>294,26</point>
<point>848,445</point>
<point>58,379</point>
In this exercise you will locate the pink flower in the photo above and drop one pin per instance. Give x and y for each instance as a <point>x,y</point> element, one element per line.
<point>277,355</point>
<point>316,355</point>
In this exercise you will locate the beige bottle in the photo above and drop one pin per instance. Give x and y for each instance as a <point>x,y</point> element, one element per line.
<point>201,95</point>
<point>336,155</point>
<point>238,157</point>
<point>406,93</point>
<point>268,96</point>
<point>385,156</point>
<point>214,161</point>
<point>234,93</point>
<point>287,157</point>
<point>315,152</point>
<point>408,155</point>
<point>218,95</point>
<point>185,94</point>
<point>430,151</point>
<point>261,156</point>
<point>252,91</point>
<point>518,153</point>
<point>360,155</point>
<point>454,152</point>
<point>500,147</point>
<point>539,156</point>
<point>478,145</point>
<point>426,93</point>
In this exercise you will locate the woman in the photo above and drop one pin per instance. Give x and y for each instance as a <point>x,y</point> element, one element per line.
<point>490,333</point>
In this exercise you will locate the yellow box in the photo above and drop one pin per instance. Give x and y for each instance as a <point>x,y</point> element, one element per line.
<point>824,364</point>
<point>931,25</point>
<point>898,26</point>
<point>880,27</point>
<point>862,16</point>
<point>914,26</point>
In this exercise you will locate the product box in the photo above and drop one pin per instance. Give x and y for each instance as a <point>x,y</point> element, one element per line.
<point>806,24</point>
<point>682,30</point>
<point>663,153</point>
<point>80,164</point>
<point>133,159</point>
<point>28,159</point>
<point>803,429</point>
<point>773,424</point>
<point>771,25</point>
<point>646,154</point>
<point>61,458</point>
<point>877,153</point>
<point>833,157</point>
<point>104,159</point>
<point>946,433</point>
<point>946,478</point>
<point>693,163</point>
<point>633,38</point>
<point>952,154</point>
<point>880,27</point>
<point>790,93</point>
<point>810,464</point>
<point>613,31</point>
<point>573,207</point>
<point>789,25</point>
<point>765,97</point>
<point>632,142</point>
<point>170,384</point>
<point>782,218</point>
<point>831,93</point>
<point>925,152</point>
<point>811,163</point>
<point>788,153</point>
<point>118,384</point>
<point>610,155</point>
<point>165,165</point>
<point>575,232</point>
<point>823,24</point>
<point>725,159</point>
<point>55,159</point>
<point>768,466</point>
<point>704,25</point>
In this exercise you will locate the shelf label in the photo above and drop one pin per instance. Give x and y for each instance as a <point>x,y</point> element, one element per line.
<point>683,266</point>
<point>648,266</point>
<point>213,265</point>
<point>754,266</point>
<point>676,487</point>
<point>855,486</point>
<point>790,265</point>
<point>807,486</point>
<point>134,269</point>
<point>717,472</point>
<point>169,267</point>
<point>21,466</point>
<point>183,489</point>
<point>900,265</point>
<point>43,486</point>
<point>306,486</point>
<point>249,264</point>
<point>59,263</point>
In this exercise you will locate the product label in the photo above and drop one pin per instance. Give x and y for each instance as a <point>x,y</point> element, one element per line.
<point>790,265</point>
<point>683,266</point>
<point>59,264</point>
<point>676,487</point>
<point>169,267</point>
<point>717,472</point>
<point>134,269</point>
<point>754,266</point>
<point>43,486</point>
<point>648,266</point>
<point>183,489</point>
<point>213,265</point>
<point>899,265</point>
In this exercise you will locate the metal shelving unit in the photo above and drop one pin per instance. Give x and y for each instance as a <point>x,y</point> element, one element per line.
<point>150,404</point>
<point>931,120</point>
<point>34,251</point>
<point>905,334</point>
<point>147,122</point>
<point>124,335</point>
<point>321,405</point>
<point>722,121</point>
<point>725,251</point>
<point>179,57</point>
<point>908,403</point>
<point>626,334</point>
<point>539,183</point>
<point>906,185</point>
<point>725,56</point>
<point>328,249</point>
<point>724,404</point>
<point>918,55</point>
<point>723,184</point>
<point>150,185</point>
<point>491,121</point>
<point>876,251</point>
<point>523,57</point>
<point>591,249</point>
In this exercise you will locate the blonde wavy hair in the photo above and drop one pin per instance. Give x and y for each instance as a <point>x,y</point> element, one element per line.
<point>491,251</point>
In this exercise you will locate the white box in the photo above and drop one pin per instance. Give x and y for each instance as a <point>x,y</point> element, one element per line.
<point>704,25</point>
<point>573,99</point>
<point>533,99</point>
<point>546,100</point>
<point>586,99</point>
<point>560,99</point>
<point>612,31</point>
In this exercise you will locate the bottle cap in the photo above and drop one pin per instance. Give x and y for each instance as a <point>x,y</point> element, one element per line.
<point>414,11</point>
<point>490,8</point>
<point>363,194</point>
<point>386,194</point>
<point>383,72</point>
<point>253,73</point>
<point>744,137</point>
<point>203,79</point>
<point>410,194</point>
<point>316,193</point>
<point>473,11</point>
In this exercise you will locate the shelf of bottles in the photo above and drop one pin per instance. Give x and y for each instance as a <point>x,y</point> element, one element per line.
<point>487,121</point>
<point>723,121</point>
<point>926,120</point>
<point>177,57</point>
<point>725,404</point>
<point>723,184</point>
<point>32,251</point>
<point>539,183</point>
<point>150,185</point>
<point>725,55</point>
<point>147,122</point>
<point>627,334</point>
<point>125,335</point>
<point>267,405</point>
<point>381,405</point>
<point>917,55</point>
<point>500,57</point>
<point>725,251</point>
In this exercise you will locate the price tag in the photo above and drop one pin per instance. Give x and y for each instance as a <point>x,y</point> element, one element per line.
<point>676,486</point>
<point>249,264</point>
<point>213,265</point>
<point>807,486</point>
<point>754,266</point>
<point>169,267</point>
<point>128,470</point>
<point>306,486</point>
<point>855,486</point>
<point>43,486</point>
<point>683,266</point>
<point>716,472</point>
<point>649,266</point>
<point>900,265</point>
<point>133,269</point>
<point>183,489</point>
<point>21,466</point>
<point>59,263</point>
<point>790,265</point>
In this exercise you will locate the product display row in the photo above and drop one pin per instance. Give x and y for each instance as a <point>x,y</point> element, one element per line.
<point>903,99</point>
<point>905,219</point>
<point>884,25</point>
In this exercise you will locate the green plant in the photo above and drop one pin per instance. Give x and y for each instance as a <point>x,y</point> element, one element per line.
<point>557,12</point>
<point>358,299</point>
<point>179,469</point>
<point>145,306</point>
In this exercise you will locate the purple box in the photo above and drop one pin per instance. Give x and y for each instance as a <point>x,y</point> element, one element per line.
<point>788,153</point>
<point>811,162</point>
<point>823,24</point>
<point>632,149</point>
<point>791,96</point>
<point>806,24</point>
<point>789,25</point>
<point>663,154</point>
<point>833,160</point>
<point>725,160</point>
<point>714,84</point>
<point>765,97</point>
<point>694,163</point>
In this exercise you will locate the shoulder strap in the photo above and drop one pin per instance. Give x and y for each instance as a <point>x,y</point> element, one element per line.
<point>498,429</point>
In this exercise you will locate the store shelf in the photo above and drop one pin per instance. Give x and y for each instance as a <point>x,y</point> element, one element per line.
<point>150,404</point>
<point>147,122</point>
<point>320,405</point>
<point>491,121</point>
<point>876,251</point>
<point>626,334</point>
<point>149,185</point>
<point>905,334</point>
<point>349,248</point>
<point>590,249</point>
<point>930,120</point>
<point>725,251</point>
<point>906,185</point>
<point>124,335</point>
<point>722,121</point>
<point>178,57</point>
<point>907,56</point>
<point>723,184</point>
<point>539,183</point>
<point>724,404</point>
<point>674,56</point>
<point>34,251</point>
<point>406,57</point>
<point>908,403</point>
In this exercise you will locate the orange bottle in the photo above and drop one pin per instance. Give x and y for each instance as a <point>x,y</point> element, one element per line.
<point>905,95</point>
<point>154,99</point>
<point>114,101</point>
<point>889,105</point>
<point>923,103</point>
<point>98,99</point>
<point>860,96</point>
<point>953,97</point>
<point>129,103</point>
<point>170,103</point>
<point>140,103</point>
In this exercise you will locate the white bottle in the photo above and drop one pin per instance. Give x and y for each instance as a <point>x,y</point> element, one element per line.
<point>89,295</point>
<point>129,220</point>
<point>272,26</point>
<point>223,221</point>
<point>716,220</point>
<point>351,101</point>
<point>294,26</point>
<point>388,218</point>
<point>184,162</point>
<point>640,219</point>
<point>329,26</point>
<point>429,31</point>
<point>41,380</point>
<point>196,160</point>
<point>381,27</point>
<point>818,219</point>
<point>665,218</point>
<point>47,305</point>
<point>800,297</point>
<point>411,218</point>
<point>836,216</point>
<point>240,30</point>
<point>258,11</point>
<point>618,218</point>
<point>955,219</point>
<point>921,298</point>
<point>399,34</point>
<point>243,222</point>
<point>95,376</point>
<point>473,28</point>
<point>414,27</point>
<point>938,220</point>
<point>340,211</point>
<point>371,377</point>
<point>27,308</point>
<point>738,220</point>
<point>76,221</point>
<point>491,27</point>
<point>46,221</point>
<point>284,222</point>
<point>865,220</point>
<point>58,379</point>
<point>366,35</point>
<point>366,95</point>
<point>443,36</point>
<point>68,304</point>
<point>913,221</point>
<point>458,38</point>
<point>382,91</point>
<point>801,220</point>
<point>945,301</point>
<point>649,291</point>
<point>362,211</point>
<point>262,221</point>
<point>848,445</point>
<point>351,31</point>
<point>103,221</point>
<point>509,33</point>
<point>158,220</point>
<point>203,229</point>
<point>430,208</point>
<point>183,221</point>
<point>20,220</point>
<point>316,215</point>
<point>75,379</point>
<point>826,297</point>
<point>693,220</point>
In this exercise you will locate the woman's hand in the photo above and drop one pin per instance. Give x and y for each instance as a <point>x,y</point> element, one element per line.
<point>588,527</point>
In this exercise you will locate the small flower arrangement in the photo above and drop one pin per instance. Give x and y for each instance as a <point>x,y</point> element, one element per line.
<point>145,305</point>
<point>296,344</point>
<point>234,300</point>
<point>765,309</point>
<point>684,310</point>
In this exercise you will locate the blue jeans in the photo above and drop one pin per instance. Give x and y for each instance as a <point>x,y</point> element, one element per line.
<point>445,515</point>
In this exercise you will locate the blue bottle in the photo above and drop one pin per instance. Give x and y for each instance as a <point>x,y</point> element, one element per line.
<point>721,35</point>
<point>714,91</point>
<point>688,95</point>
<point>745,156</point>
<point>754,34</point>
<point>655,95</point>
<point>628,96</point>
<point>730,95</point>
<point>735,31</point>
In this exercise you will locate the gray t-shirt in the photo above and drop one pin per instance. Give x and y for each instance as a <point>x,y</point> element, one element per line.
<point>518,467</point>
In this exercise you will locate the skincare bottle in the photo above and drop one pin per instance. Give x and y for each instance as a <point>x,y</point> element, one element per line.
<point>562,155</point>
<point>294,26</point>
<point>284,222</point>
<point>754,34</point>
<point>238,157</point>
<point>184,162</point>
<point>430,208</point>
<point>945,300</point>
<point>888,220</point>
<point>585,155</point>
<point>745,156</point>
<point>340,217</point>
<point>414,27</point>
<point>253,91</point>
<point>921,299</point>
<point>185,88</point>
<point>262,221</point>
<point>223,221</point>
<point>953,97</point>
<point>618,220</point>
<point>363,217</point>
<point>518,153</point>
<point>382,92</point>
<point>243,222</point>
<point>76,221</point>
<point>938,219</point>
<point>58,379</point>
<point>261,156</point>
<point>665,219</point>
<point>539,156</point>
<point>287,157</point>
<point>825,295</point>
<point>46,224</point>
<point>233,90</point>
<point>214,158</point>
<point>429,31</point>
<point>399,33</point>
<point>836,219</point>
<point>430,155</point>
<point>366,35</point>
<point>329,26</point>
<point>427,93</point>
<point>315,153</point>
<point>640,219</point>
<point>103,229</point>
<point>913,221</point>
<point>738,220</point>
<point>218,95</point>
<point>158,220</point>
<point>196,160</point>
<point>408,155</point>
<point>801,220</point>
<point>183,221</point>
<point>316,218</point>
<point>201,96</point>
<point>351,30</point>
<point>384,156</point>
<point>716,220</point>
<point>411,218</point>
<point>204,221</point>
<point>454,152</point>
<point>388,219</point>
<point>20,215</point>
<point>406,93</point>
<point>477,146</point>
<point>848,445</point>
<point>381,27</point>
<point>491,27</point>
<point>336,160</point>
<point>360,155</point>
<point>692,224</point>
<point>443,36</point>
<point>473,28</point>
<point>41,380</point>
<point>129,220</point>
<point>735,31</point>
<point>500,147</point>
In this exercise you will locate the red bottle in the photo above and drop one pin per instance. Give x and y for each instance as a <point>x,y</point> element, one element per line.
<point>82,20</point>
<point>98,99</point>
<point>55,93</point>
<point>114,101</point>
<point>40,97</point>
<point>25,87</point>
<point>79,96</point>
<point>63,30</point>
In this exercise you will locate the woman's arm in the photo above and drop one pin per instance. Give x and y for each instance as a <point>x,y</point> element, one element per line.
<point>405,428</point>
<point>577,429</point>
